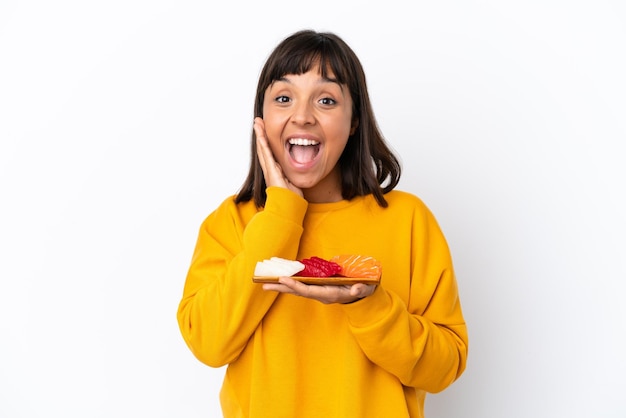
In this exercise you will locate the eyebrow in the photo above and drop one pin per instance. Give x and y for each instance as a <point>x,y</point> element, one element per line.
<point>323,80</point>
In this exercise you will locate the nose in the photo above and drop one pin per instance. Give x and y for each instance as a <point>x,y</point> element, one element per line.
<point>303,114</point>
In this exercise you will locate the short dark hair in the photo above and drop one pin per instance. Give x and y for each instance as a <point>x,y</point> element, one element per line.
<point>368,166</point>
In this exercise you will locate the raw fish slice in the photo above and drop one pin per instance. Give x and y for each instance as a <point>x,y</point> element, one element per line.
<point>358,266</point>
<point>277,267</point>
<point>318,267</point>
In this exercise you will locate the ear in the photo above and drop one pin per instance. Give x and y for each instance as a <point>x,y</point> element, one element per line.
<point>355,124</point>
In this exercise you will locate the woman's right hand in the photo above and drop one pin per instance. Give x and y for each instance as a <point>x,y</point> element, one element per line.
<point>272,171</point>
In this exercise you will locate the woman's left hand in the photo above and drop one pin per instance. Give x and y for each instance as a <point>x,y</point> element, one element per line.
<point>326,294</point>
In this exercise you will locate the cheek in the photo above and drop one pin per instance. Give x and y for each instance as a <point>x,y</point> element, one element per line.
<point>343,135</point>
<point>346,124</point>
<point>274,127</point>
<point>273,123</point>
<point>275,142</point>
<point>277,149</point>
<point>273,137</point>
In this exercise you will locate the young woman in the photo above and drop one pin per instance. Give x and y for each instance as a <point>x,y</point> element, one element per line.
<point>321,183</point>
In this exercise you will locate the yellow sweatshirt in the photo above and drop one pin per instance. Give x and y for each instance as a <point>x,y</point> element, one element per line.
<point>291,357</point>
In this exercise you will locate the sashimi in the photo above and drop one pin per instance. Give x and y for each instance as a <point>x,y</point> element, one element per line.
<point>318,267</point>
<point>358,266</point>
<point>277,267</point>
<point>340,266</point>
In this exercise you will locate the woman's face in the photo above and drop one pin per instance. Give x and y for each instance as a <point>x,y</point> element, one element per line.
<point>308,120</point>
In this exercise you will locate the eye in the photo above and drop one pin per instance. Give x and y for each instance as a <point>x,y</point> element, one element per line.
<point>282,99</point>
<point>327,101</point>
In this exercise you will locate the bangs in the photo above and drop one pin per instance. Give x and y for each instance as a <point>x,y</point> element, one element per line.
<point>302,56</point>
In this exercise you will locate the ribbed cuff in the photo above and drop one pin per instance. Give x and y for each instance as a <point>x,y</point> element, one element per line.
<point>368,310</point>
<point>286,204</point>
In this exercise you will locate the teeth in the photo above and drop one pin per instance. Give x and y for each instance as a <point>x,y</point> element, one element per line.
<point>302,141</point>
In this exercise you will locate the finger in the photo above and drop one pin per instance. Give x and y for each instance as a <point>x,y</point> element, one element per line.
<point>322,293</point>
<point>357,290</point>
<point>283,285</point>
<point>276,287</point>
<point>294,285</point>
<point>361,290</point>
<point>261,144</point>
<point>271,170</point>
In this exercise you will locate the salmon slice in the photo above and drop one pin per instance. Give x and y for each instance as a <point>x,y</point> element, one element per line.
<point>358,266</point>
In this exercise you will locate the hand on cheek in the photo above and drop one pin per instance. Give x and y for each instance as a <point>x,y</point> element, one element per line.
<point>272,171</point>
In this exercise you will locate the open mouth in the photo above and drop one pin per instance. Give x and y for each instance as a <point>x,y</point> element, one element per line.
<point>303,150</point>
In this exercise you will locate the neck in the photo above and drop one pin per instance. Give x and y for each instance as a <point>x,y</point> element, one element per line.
<point>322,196</point>
<point>326,191</point>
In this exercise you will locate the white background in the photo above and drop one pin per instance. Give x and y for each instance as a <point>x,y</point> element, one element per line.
<point>124,123</point>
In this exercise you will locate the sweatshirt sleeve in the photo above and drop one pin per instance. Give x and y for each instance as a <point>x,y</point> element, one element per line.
<point>424,343</point>
<point>221,306</point>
